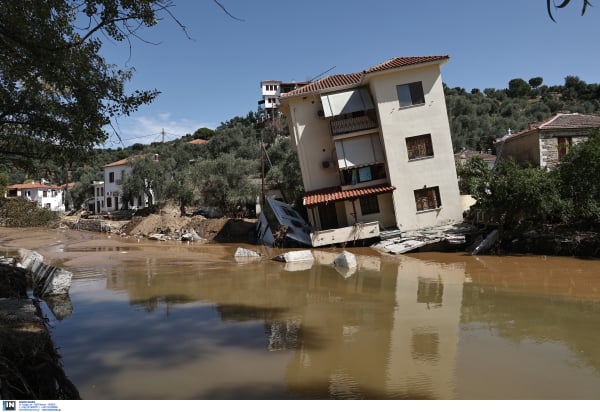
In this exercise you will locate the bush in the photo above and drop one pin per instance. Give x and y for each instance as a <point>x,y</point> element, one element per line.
<point>24,213</point>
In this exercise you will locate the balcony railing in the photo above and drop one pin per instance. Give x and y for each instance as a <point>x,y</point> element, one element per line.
<point>354,124</point>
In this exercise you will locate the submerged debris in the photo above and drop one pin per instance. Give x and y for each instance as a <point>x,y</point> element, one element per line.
<point>295,256</point>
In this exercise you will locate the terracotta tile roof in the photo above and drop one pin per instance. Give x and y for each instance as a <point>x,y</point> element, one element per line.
<point>355,79</point>
<point>198,141</point>
<point>336,194</point>
<point>559,121</point>
<point>329,82</point>
<point>124,161</point>
<point>570,121</point>
<point>398,62</point>
<point>24,186</point>
<point>118,163</point>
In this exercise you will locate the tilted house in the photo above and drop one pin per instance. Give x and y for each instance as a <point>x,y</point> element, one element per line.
<point>375,150</point>
<point>545,143</point>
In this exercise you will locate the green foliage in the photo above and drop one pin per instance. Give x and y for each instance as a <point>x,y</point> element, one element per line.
<point>518,196</point>
<point>58,94</point>
<point>225,181</point>
<point>285,174</point>
<point>473,176</point>
<point>145,179</point>
<point>578,177</point>
<point>477,119</point>
<point>518,88</point>
<point>24,213</point>
<point>536,82</point>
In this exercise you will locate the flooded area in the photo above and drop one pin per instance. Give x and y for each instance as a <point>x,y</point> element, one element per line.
<point>171,320</point>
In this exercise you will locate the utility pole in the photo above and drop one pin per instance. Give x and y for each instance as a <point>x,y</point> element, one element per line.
<point>262,166</point>
<point>163,135</point>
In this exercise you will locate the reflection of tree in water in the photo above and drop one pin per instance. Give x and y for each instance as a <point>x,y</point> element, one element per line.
<point>283,335</point>
<point>430,291</point>
<point>153,302</point>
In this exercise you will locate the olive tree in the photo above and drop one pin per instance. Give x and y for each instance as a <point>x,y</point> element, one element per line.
<point>578,176</point>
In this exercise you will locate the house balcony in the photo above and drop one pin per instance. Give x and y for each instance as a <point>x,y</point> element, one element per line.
<point>351,125</point>
<point>346,234</point>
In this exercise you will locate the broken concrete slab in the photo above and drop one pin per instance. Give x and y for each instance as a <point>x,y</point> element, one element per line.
<point>243,252</point>
<point>345,260</point>
<point>295,256</point>
<point>47,280</point>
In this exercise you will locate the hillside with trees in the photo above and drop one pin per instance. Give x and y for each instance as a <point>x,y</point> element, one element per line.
<point>478,117</point>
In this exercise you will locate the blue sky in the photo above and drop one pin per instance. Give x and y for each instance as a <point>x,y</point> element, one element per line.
<point>216,75</point>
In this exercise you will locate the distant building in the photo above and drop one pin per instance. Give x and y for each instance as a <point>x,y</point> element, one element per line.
<point>464,155</point>
<point>272,89</point>
<point>375,150</point>
<point>108,194</point>
<point>545,143</point>
<point>43,193</point>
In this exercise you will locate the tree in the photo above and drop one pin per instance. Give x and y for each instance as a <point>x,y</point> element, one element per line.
<point>284,173</point>
<point>578,176</point>
<point>536,82</point>
<point>225,181</point>
<point>57,93</point>
<point>473,176</point>
<point>146,178</point>
<point>518,196</point>
<point>518,88</point>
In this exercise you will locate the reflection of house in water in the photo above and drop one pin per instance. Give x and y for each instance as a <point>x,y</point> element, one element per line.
<point>388,331</point>
<point>423,345</point>
<point>430,291</point>
<point>385,342</point>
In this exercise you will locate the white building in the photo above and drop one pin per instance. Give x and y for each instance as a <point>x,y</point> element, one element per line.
<point>272,89</point>
<point>44,194</point>
<point>375,150</point>
<point>108,194</point>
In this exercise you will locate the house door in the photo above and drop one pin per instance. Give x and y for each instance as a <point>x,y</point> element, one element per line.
<point>328,216</point>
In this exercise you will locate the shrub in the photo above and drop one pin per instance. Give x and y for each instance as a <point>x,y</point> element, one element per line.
<point>24,213</point>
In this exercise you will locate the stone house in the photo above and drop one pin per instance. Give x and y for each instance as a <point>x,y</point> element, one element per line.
<point>545,143</point>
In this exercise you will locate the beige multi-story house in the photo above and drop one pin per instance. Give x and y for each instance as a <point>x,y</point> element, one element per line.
<point>375,150</point>
<point>544,144</point>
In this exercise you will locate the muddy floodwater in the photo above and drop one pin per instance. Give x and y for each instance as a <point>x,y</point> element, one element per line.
<point>171,320</point>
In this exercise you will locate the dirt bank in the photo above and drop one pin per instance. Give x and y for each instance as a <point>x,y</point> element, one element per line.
<point>169,222</point>
<point>29,363</point>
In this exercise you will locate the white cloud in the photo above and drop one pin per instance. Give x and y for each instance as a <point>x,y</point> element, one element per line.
<point>148,129</point>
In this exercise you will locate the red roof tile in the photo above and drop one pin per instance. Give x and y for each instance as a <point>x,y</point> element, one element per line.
<point>398,62</point>
<point>355,79</point>
<point>124,161</point>
<point>24,186</point>
<point>329,82</point>
<point>198,141</point>
<point>118,163</point>
<point>336,194</point>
